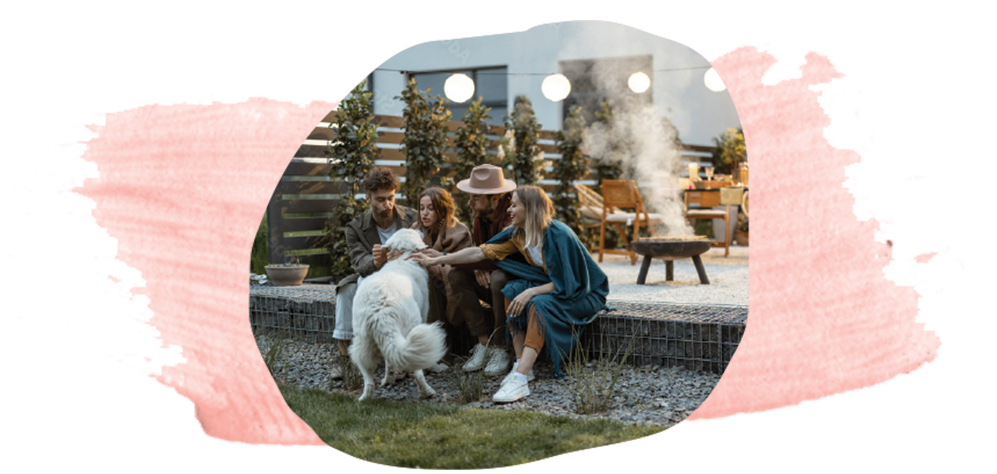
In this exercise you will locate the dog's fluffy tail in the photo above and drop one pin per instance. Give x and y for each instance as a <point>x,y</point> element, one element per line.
<point>424,346</point>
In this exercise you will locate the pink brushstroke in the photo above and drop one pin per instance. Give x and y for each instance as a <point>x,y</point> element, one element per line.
<point>823,319</point>
<point>183,189</point>
<point>925,258</point>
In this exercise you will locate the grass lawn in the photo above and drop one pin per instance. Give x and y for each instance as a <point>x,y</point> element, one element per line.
<point>434,436</point>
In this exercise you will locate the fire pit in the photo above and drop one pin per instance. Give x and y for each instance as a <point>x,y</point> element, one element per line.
<point>669,249</point>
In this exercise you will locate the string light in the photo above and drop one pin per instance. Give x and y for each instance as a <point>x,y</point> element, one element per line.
<point>491,73</point>
<point>458,87</point>
<point>556,87</point>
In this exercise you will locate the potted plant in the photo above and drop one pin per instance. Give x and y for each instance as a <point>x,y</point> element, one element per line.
<point>288,274</point>
<point>730,152</point>
<point>741,232</point>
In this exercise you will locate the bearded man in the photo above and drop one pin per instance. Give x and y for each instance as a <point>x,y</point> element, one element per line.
<point>489,197</point>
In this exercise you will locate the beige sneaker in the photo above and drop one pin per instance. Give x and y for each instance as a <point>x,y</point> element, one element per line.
<point>477,359</point>
<point>438,368</point>
<point>498,361</point>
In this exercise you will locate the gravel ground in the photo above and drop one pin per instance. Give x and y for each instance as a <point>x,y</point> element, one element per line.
<point>651,395</point>
<point>644,395</point>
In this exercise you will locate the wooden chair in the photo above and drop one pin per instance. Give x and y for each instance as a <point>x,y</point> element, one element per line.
<point>727,196</point>
<point>623,194</point>
<point>590,210</point>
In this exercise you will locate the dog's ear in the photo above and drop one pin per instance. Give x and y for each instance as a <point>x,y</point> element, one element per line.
<point>421,235</point>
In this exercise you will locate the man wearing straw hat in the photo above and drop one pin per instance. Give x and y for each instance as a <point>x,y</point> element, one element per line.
<point>490,196</point>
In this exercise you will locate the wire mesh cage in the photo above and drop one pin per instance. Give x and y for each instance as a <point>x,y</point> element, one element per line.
<point>308,313</point>
<point>696,337</point>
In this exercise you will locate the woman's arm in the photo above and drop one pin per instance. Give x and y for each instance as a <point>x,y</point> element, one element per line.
<point>542,289</point>
<point>468,255</point>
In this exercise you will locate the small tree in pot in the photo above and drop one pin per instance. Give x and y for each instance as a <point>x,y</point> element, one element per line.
<point>730,151</point>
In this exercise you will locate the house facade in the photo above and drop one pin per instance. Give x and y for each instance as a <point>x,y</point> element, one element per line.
<point>598,58</point>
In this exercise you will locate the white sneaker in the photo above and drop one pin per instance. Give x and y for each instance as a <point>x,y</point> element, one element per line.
<point>438,368</point>
<point>498,361</point>
<point>511,391</point>
<point>515,365</point>
<point>477,360</point>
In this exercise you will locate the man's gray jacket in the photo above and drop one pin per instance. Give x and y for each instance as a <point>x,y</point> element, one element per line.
<point>361,236</point>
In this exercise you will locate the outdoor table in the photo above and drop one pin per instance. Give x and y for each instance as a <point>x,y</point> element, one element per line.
<point>707,198</point>
<point>704,199</point>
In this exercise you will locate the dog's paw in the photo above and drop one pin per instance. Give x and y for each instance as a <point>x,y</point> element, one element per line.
<point>368,391</point>
<point>428,393</point>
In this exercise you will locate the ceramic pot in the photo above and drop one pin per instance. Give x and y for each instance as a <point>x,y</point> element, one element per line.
<point>741,237</point>
<point>286,275</point>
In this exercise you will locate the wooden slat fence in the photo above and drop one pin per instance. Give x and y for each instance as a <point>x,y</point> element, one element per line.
<point>302,202</point>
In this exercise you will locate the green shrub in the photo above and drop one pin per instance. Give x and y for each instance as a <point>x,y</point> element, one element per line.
<point>523,154</point>
<point>572,167</point>
<point>425,140</point>
<point>472,148</point>
<point>594,383</point>
<point>352,378</point>
<point>352,154</point>
<point>259,256</point>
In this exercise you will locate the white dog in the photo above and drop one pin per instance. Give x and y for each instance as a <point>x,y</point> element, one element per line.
<point>389,319</point>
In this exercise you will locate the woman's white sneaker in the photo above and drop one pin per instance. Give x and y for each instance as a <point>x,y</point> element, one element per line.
<point>515,365</point>
<point>512,390</point>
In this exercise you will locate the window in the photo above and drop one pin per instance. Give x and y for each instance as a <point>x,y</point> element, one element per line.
<point>604,79</point>
<point>491,84</point>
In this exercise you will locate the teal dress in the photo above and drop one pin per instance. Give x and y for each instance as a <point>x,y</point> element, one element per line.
<point>580,290</point>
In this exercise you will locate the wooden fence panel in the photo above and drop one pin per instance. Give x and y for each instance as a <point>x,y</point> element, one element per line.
<point>303,200</point>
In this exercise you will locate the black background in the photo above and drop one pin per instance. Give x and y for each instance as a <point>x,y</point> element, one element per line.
<point>80,401</point>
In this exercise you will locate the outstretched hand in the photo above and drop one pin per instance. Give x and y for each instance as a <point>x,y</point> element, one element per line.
<point>422,259</point>
<point>431,252</point>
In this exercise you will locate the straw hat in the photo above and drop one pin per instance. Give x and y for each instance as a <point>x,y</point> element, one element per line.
<point>486,179</point>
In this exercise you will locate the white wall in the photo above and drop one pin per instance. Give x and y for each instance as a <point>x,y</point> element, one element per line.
<point>699,113</point>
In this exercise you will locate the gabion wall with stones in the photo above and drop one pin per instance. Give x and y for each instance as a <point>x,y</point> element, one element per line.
<point>308,312</point>
<point>697,337</point>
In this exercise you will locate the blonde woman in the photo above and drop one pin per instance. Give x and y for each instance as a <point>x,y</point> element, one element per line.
<point>558,288</point>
